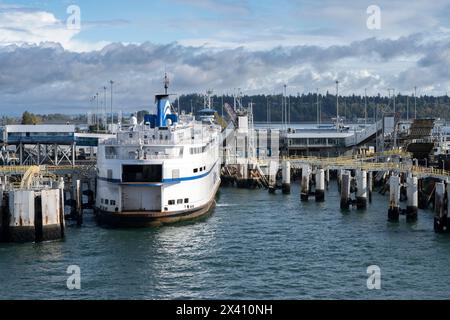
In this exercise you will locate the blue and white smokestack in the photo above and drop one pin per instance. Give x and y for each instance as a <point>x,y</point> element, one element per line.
<point>162,110</point>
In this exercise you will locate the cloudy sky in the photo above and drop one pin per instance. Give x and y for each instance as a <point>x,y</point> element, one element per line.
<point>48,64</point>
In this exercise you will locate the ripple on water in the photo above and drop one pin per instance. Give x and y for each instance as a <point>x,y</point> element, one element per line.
<point>254,246</point>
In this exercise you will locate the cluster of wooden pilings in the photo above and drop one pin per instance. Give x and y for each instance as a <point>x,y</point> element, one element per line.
<point>313,182</point>
<point>357,182</point>
<point>80,195</point>
<point>356,187</point>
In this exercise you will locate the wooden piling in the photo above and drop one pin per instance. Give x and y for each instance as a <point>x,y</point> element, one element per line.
<point>286,176</point>
<point>345,190</point>
<point>320,185</point>
<point>394,199</point>
<point>361,193</point>
<point>413,200</point>
<point>306,171</point>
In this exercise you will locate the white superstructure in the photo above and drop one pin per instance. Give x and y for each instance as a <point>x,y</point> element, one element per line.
<point>163,170</point>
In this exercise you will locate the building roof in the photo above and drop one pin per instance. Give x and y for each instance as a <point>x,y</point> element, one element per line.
<point>41,128</point>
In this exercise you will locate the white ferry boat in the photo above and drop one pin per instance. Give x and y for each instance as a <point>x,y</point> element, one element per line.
<point>164,170</point>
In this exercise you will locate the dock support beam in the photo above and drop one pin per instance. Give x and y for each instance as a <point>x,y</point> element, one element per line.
<point>320,185</point>
<point>394,199</point>
<point>370,184</point>
<point>441,223</point>
<point>345,190</point>
<point>327,178</point>
<point>62,206</point>
<point>304,195</point>
<point>78,199</point>
<point>413,199</point>
<point>286,172</point>
<point>361,193</point>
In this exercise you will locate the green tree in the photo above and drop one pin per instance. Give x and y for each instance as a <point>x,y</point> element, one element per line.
<point>30,118</point>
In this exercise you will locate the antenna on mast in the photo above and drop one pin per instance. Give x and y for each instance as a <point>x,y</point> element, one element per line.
<point>166,83</point>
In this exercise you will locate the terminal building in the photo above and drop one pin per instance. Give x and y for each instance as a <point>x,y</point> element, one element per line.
<point>46,144</point>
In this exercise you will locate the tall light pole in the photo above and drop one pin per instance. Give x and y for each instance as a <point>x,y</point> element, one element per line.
<point>337,105</point>
<point>415,102</point>
<point>98,120</point>
<point>365,107</point>
<point>112,115</point>
<point>104,106</point>
<point>407,107</point>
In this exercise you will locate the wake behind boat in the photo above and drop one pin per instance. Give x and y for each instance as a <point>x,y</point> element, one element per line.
<point>164,170</point>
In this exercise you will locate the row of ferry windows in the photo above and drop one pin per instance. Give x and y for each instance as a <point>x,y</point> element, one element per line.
<point>179,201</point>
<point>200,169</point>
<point>161,137</point>
<point>108,202</point>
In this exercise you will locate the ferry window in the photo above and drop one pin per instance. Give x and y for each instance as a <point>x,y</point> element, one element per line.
<point>201,169</point>
<point>102,200</point>
<point>131,135</point>
<point>195,170</point>
<point>113,202</point>
<point>142,173</point>
<point>180,201</point>
<point>186,200</point>
<point>171,202</point>
<point>204,168</point>
<point>106,201</point>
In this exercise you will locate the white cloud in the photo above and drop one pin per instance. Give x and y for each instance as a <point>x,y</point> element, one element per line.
<point>19,25</point>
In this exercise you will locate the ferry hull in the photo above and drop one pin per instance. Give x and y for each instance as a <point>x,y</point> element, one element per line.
<point>151,219</point>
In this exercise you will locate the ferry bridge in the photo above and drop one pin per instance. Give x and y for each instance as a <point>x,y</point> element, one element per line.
<point>394,160</point>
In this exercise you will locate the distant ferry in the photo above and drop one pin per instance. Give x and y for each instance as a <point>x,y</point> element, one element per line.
<point>164,170</point>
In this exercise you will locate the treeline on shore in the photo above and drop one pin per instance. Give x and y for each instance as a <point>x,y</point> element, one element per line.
<point>303,108</point>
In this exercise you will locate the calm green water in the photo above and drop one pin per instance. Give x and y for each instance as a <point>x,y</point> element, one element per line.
<point>254,246</point>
